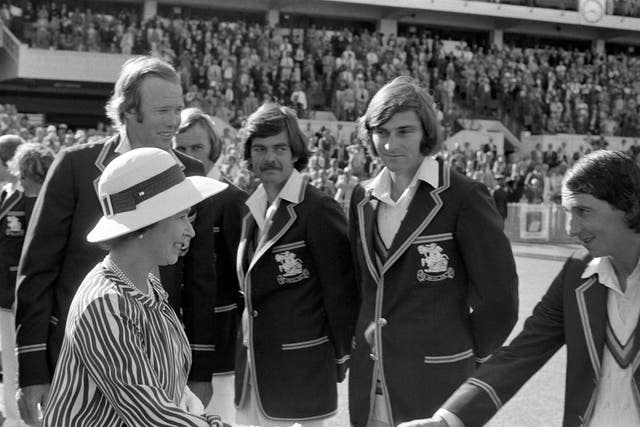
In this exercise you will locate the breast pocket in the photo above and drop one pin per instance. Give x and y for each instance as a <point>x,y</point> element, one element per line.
<point>14,224</point>
<point>435,259</point>
<point>293,263</point>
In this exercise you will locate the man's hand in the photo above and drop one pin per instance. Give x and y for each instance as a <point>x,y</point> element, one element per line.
<point>203,390</point>
<point>431,422</point>
<point>31,401</point>
<point>370,335</point>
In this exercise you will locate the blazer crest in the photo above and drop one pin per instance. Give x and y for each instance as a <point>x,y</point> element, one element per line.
<point>426,199</point>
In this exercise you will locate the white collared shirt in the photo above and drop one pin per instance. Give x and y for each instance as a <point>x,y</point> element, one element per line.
<point>257,202</point>
<point>124,145</point>
<point>10,187</point>
<point>615,405</point>
<point>390,212</point>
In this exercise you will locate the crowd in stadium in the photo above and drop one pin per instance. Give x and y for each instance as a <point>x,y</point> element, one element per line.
<point>613,7</point>
<point>228,68</point>
<point>340,160</point>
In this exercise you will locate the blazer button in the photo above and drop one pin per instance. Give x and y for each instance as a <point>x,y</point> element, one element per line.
<point>382,321</point>
<point>255,313</point>
<point>373,356</point>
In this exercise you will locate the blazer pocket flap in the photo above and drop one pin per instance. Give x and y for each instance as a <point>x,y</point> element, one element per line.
<point>449,358</point>
<point>305,344</point>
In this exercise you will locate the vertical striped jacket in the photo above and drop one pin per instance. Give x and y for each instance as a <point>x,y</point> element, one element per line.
<point>56,257</point>
<point>124,360</point>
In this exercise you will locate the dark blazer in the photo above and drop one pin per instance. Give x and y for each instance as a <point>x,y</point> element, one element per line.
<point>299,292</point>
<point>228,208</point>
<point>572,312</point>
<point>15,211</point>
<point>56,257</point>
<point>443,300</point>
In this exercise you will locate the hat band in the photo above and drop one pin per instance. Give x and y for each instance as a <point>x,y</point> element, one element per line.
<point>127,200</point>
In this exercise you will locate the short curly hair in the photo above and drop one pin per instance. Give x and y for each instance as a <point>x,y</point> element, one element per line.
<point>610,176</point>
<point>32,161</point>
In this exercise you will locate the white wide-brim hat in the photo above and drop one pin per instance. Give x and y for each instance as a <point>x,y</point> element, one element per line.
<point>142,187</point>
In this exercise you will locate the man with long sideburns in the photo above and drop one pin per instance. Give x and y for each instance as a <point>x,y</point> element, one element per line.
<point>295,270</point>
<point>145,108</point>
<point>438,279</point>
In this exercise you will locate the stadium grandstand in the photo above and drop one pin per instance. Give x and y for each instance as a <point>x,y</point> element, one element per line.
<point>524,87</point>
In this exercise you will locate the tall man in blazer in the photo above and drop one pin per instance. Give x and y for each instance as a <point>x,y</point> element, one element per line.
<point>198,137</point>
<point>294,266</point>
<point>592,307</point>
<point>436,272</point>
<point>145,107</point>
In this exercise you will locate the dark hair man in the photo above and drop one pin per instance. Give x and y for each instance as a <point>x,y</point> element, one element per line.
<point>592,307</point>
<point>436,272</point>
<point>295,270</point>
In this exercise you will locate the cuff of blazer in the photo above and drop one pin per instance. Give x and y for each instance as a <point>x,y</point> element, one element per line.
<point>474,403</point>
<point>33,368</point>
<point>203,362</point>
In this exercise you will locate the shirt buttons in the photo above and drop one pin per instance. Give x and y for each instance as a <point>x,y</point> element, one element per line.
<point>255,313</point>
<point>382,321</point>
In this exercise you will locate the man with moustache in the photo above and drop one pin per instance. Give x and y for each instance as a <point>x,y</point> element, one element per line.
<point>295,270</point>
<point>592,307</point>
<point>198,137</point>
<point>436,272</point>
<point>145,107</point>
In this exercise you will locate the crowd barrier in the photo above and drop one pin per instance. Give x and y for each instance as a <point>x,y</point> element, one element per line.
<point>539,223</point>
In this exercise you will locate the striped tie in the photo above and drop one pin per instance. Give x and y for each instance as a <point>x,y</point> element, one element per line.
<point>624,354</point>
<point>379,247</point>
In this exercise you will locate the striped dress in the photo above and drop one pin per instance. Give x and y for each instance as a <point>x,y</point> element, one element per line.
<point>124,360</point>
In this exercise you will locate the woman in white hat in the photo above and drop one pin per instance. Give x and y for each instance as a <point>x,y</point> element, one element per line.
<point>125,357</point>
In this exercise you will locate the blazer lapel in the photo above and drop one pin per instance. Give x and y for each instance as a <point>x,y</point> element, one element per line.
<point>424,207</point>
<point>9,202</point>
<point>106,155</point>
<point>283,219</point>
<point>366,219</point>
<point>246,235</point>
<point>592,307</point>
<point>636,365</point>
